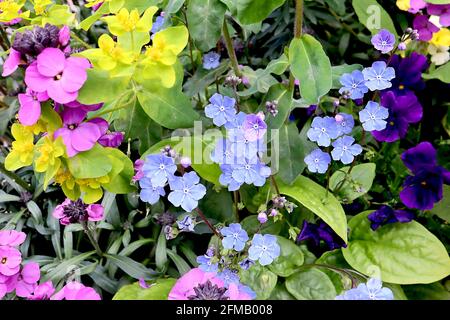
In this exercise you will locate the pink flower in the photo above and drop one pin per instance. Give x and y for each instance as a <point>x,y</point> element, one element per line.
<point>30,106</point>
<point>10,259</point>
<point>57,75</point>
<point>417,5</point>
<point>12,238</point>
<point>64,36</point>
<point>26,280</point>
<point>138,173</point>
<point>76,211</point>
<point>12,62</point>
<point>112,140</point>
<point>43,291</point>
<point>87,108</point>
<point>7,285</point>
<point>76,291</point>
<point>200,285</point>
<point>79,136</point>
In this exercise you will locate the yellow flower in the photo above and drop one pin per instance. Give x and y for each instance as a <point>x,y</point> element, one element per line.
<point>441,38</point>
<point>67,182</point>
<point>21,154</point>
<point>91,189</point>
<point>404,4</point>
<point>40,5</point>
<point>47,153</point>
<point>9,10</point>
<point>162,55</point>
<point>125,21</point>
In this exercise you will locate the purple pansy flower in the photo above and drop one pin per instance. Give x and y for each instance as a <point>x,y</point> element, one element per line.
<point>315,233</point>
<point>408,73</point>
<point>57,75</point>
<point>425,187</point>
<point>384,41</point>
<point>79,135</point>
<point>425,27</point>
<point>186,191</point>
<point>386,215</point>
<point>403,110</point>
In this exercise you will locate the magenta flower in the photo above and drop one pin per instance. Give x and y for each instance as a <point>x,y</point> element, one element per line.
<point>57,75</point>
<point>425,27</point>
<point>441,10</point>
<point>84,107</point>
<point>254,127</point>
<point>10,259</point>
<point>76,211</point>
<point>79,136</point>
<point>30,106</point>
<point>64,36</point>
<point>43,291</point>
<point>25,282</point>
<point>200,285</point>
<point>76,291</point>
<point>138,172</point>
<point>11,238</point>
<point>416,5</point>
<point>12,62</point>
<point>111,140</point>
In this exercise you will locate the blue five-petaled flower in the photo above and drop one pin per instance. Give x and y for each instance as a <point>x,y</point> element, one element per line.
<point>323,130</point>
<point>186,191</point>
<point>150,193</point>
<point>318,161</point>
<point>159,168</point>
<point>372,290</point>
<point>345,150</point>
<point>211,60</point>
<point>205,264</point>
<point>221,109</point>
<point>379,76</point>
<point>354,84</point>
<point>373,117</point>
<point>264,249</point>
<point>234,237</point>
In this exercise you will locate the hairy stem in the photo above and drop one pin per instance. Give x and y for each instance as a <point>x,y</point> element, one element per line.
<point>298,27</point>
<point>210,226</point>
<point>230,49</point>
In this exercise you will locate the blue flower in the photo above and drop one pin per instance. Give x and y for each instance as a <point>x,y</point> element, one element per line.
<point>379,76</point>
<point>247,290</point>
<point>251,172</point>
<point>323,130</point>
<point>244,148</point>
<point>211,60</point>
<point>318,161</point>
<point>150,193</point>
<point>237,122</point>
<point>234,237</point>
<point>228,277</point>
<point>186,191</point>
<point>246,264</point>
<point>221,109</point>
<point>345,150</point>
<point>159,169</point>
<point>372,290</point>
<point>205,264</point>
<point>226,178</point>
<point>373,117</point>
<point>158,24</point>
<point>384,41</point>
<point>354,83</point>
<point>345,123</point>
<point>264,249</point>
<point>186,224</point>
<point>224,152</point>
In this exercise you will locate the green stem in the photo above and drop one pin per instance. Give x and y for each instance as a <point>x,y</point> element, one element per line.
<point>236,205</point>
<point>191,44</point>
<point>92,239</point>
<point>81,41</point>
<point>298,27</point>
<point>230,49</point>
<point>14,177</point>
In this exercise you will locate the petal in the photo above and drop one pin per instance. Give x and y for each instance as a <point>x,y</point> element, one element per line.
<point>51,62</point>
<point>57,93</point>
<point>30,110</point>
<point>85,136</point>
<point>11,63</point>
<point>73,78</point>
<point>34,80</point>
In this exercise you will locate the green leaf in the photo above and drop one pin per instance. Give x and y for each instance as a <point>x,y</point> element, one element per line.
<point>310,65</point>
<point>291,153</point>
<point>131,267</point>
<point>442,208</point>
<point>205,19</point>
<point>290,259</point>
<point>402,253</point>
<point>433,291</point>
<point>253,11</point>
<point>121,179</point>
<point>373,16</point>
<point>181,265</point>
<point>315,198</point>
<point>161,251</point>
<point>338,71</point>
<point>94,163</point>
<point>358,183</point>
<point>261,280</point>
<point>311,284</point>
<point>158,291</point>
<point>203,78</point>
<point>442,73</point>
<point>278,93</point>
<point>438,1</point>
<point>173,6</point>
<point>280,293</point>
<point>252,226</point>
<point>218,205</point>
<point>60,270</point>
<point>95,89</point>
<point>168,107</point>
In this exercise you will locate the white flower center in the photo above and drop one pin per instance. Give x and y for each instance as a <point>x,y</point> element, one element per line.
<point>222,108</point>
<point>162,167</point>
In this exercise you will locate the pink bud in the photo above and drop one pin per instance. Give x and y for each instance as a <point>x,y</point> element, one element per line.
<point>185,162</point>
<point>64,36</point>
<point>261,115</point>
<point>262,217</point>
<point>339,118</point>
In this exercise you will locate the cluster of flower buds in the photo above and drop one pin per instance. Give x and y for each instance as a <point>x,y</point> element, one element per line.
<point>233,81</point>
<point>272,107</point>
